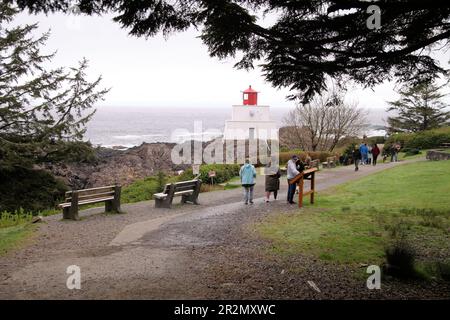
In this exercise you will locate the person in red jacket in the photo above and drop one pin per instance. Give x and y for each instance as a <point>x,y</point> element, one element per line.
<point>375,154</point>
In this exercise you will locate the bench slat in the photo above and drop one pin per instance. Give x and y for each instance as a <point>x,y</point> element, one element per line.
<point>183,192</point>
<point>191,183</point>
<point>92,190</point>
<point>92,196</point>
<point>184,188</point>
<point>68,204</point>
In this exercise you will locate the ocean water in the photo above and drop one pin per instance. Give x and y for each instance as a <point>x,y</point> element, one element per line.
<point>132,126</point>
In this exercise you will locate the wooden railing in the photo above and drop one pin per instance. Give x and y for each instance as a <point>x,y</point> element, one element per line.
<point>308,174</point>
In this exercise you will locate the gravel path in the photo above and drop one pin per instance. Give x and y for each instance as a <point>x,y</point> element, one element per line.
<point>188,252</point>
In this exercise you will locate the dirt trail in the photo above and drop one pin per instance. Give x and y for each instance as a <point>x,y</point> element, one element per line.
<point>188,252</point>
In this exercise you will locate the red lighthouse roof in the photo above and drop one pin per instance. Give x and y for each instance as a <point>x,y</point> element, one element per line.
<point>250,97</point>
<point>250,90</point>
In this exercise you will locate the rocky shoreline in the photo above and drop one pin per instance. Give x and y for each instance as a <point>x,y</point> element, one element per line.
<point>117,166</point>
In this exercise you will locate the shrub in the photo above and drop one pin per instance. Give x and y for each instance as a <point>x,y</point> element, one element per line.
<point>420,140</point>
<point>321,155</point>
<point>400,258</point>
<point>32,190</point>
<point>224,172</point>
<point>411,152</point>
<point>443,269</point>
<point>161,181</point>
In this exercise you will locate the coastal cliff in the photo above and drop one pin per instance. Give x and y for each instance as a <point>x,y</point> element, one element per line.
<point>117,166</point>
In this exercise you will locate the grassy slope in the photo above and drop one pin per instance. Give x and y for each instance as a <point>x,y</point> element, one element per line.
<point>15,236</point>
<point>353,222</point>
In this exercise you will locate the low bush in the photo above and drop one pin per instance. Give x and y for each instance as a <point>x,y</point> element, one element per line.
<point>443,269</point>
<point>411,152</point>
<point>420,140</point>
<point>320,155</point>
<point>32,190</point>
<point>224,172</point>
<point>400,258</point>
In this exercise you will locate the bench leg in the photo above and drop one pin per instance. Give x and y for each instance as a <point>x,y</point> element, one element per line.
<point>189,198</point>
<point>71,213</point>
<point>163,203</point>
<point>112,206</point>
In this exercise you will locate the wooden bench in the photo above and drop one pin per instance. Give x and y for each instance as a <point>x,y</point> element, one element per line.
<point>188,190</point>
<point>314,164</point>
<point>330,163</point>
<point>445,145</point>
<point>73,199</point>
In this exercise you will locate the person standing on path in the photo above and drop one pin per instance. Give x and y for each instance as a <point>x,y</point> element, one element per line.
<point>375,153</point>
<point>356,155</point>
<point>272,182</point>
<point>292,172</point>
<point>394,152</point>
<point>364,151</point>
<point>248,175</point>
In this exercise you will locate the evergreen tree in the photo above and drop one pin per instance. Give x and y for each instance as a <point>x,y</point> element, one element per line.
<point>419,108</point>
<point>302,43</point>
<point>43,112</point>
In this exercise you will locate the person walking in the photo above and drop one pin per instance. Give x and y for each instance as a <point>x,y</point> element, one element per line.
<point>248,175</point>
<point>369,155</point>
<point>364,151</point>
<point>292,172</point>
<point>394,152</point>
<point>272,182</point>
<point>375,153</point>
<point>356,155</point>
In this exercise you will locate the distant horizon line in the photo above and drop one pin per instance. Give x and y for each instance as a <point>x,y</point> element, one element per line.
<point>202,106</point>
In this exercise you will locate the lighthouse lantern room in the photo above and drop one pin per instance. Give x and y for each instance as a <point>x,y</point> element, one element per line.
<point>250,97</point>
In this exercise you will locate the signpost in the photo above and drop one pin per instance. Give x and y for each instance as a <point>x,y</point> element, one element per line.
<point>195,169</point>
<point>212,175</point>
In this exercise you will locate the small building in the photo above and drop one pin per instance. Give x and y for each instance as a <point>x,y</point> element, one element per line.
<point>250,120</point>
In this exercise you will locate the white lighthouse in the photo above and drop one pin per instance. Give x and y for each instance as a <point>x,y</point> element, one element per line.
<point>250,120</point>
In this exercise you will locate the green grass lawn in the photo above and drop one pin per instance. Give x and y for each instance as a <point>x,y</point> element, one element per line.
<point>15,229</point>
<point>13,237</point>
<point>354,222</point>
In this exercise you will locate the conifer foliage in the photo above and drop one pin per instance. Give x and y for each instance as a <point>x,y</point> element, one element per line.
<point>43,112</point>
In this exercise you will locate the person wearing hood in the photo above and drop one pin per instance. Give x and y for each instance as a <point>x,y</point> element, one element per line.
<point>272,182</point>
<point>292,172</point>
<point>248,175</point>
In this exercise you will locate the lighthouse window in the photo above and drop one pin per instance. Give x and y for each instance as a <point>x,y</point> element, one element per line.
<point>245,96</point>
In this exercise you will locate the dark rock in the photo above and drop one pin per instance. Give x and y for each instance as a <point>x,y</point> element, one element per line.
<point>118,166</point>
<point>437,155</point>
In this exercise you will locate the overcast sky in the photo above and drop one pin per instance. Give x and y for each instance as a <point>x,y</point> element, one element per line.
<point>156,72</point>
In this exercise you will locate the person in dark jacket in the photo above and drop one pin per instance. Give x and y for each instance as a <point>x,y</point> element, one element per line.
<point>272,182</point>
<point>356,155</point>
<point>375,154</point>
